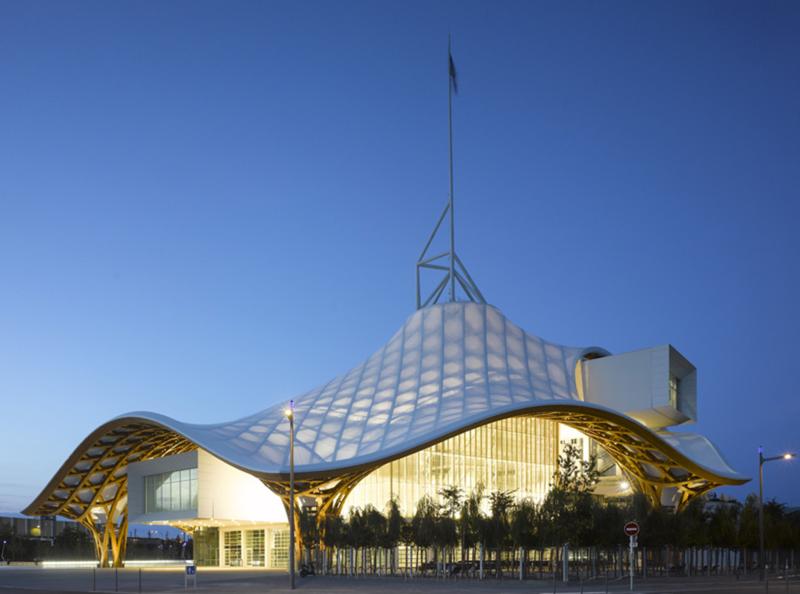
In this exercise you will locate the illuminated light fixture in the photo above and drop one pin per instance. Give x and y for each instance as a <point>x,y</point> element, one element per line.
<point>624,486</point>
<point>788,456</point>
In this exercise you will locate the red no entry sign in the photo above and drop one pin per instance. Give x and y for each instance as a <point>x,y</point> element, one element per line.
<point>631,528</point>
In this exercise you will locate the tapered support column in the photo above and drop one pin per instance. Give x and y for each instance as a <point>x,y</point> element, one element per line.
<point>111,537</point>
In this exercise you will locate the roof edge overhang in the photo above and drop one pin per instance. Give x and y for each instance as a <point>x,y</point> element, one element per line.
<point>574,413</point>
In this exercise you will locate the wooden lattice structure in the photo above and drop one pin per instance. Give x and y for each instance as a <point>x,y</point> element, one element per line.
<point>91,486</point>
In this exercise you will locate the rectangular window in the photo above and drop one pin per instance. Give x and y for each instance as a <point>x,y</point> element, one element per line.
<point>254,547</point>
<point>279,554</point>
<point>206,547</point>
<point>233,548</point>
<point>171,491</point>
<point>674,391</point>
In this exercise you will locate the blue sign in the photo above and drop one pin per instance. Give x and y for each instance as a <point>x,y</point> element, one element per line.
<point>191,569</point>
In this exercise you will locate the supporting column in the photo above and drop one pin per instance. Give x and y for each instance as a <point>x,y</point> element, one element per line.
<point>112,534</point>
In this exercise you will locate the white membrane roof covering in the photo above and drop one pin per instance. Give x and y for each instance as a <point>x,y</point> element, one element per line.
<point>451,366</point>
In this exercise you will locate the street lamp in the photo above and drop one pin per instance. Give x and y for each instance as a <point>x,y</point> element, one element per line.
<point>289,412</point>
<point>761,461</point>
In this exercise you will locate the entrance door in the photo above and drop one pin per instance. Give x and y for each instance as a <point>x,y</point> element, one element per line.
<point>233,548</point>
<point>254,548</point>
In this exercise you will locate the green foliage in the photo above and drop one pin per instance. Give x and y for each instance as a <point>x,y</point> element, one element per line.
<point>500,504</point>
<point>424,522</point>
<point>308,528</point>
<point>394,525</point>
<point>567,511</point>
<point>748,523</point>
<point>335,532</point>
<point>525,524</point>
<point>574,474</point>
<point>472,521</point>
<point>453,496</point>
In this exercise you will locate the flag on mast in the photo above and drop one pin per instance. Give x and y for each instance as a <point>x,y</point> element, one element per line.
<point>453,77</point>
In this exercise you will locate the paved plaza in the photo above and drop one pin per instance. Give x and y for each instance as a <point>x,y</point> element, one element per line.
<point>30,580</point>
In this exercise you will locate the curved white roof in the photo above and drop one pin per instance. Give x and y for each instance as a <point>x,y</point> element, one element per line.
<point>450,366</point>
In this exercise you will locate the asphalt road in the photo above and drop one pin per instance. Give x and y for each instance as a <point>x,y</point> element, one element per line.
<point>53,581</point>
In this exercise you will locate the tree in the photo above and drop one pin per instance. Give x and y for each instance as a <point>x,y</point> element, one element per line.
<point>471,521</point>
<point>722,524</point>
<point>446,525</point>
<point>334,534</point>
<point>748,523</point>
<point>375,531</point>
<point>575,474</point>
<point>452,496</point>
<point>309,533</point>
<point>524,520</point>
<point>500,503</point>
<point>424,523</point>
<point>567,511</point>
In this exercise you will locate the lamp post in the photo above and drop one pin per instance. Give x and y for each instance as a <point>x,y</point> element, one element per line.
<point>289,412</point>
<point>761,461</point>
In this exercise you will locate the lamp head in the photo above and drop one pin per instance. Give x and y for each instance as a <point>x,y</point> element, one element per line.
<point>788,456</point>
<point>289,411</point>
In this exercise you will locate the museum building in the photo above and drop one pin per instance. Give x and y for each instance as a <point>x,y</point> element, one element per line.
<point>459,395</point>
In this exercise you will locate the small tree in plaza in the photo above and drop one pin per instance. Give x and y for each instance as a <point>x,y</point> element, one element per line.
<point>424,524</point>
<point>447,536</point>
<point>309,534</point>
<point>334,536</point>
<point>393,532</point>
<point>501,503</point>
<point>471,523</point>
<point>567,508</point>
<point>524,525</point>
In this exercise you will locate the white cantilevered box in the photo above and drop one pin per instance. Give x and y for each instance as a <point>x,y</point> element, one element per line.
<point>656,386</point>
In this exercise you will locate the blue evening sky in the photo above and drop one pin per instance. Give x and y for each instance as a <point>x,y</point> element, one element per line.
<point>208,207</point>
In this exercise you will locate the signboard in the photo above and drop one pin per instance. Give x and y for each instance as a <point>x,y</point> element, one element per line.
<point>631,528</point>
<point>191,569</point>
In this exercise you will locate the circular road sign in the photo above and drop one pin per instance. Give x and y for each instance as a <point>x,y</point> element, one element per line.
<point>631,528</point>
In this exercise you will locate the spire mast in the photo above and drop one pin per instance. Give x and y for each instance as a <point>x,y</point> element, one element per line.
<point>451,80</point>
<point>447,263</point>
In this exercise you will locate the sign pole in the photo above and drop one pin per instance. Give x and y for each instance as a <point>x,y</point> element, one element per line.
<point>630,559</point>
<point>632,530</point>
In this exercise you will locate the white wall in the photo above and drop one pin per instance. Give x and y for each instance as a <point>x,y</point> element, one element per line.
<point>228,494</point>
<point>224,493</point>
<point>136,473</point>
<point>637,383</point>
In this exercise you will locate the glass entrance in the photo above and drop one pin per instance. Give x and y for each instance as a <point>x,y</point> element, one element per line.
<point>254,548</point>
<point>233,548</point>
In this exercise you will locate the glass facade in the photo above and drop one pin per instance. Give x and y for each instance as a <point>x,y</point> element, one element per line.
<point>206,546</point>
<point>233,548</point>
<point>171,491</point>
<point>279,554</point>
<point>516,454</point>
<point>254,548</point>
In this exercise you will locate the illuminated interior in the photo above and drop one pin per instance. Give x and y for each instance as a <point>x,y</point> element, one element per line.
<point>516,454</point>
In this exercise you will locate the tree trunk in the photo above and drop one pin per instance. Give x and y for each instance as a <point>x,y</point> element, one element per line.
<point>481,561</point>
